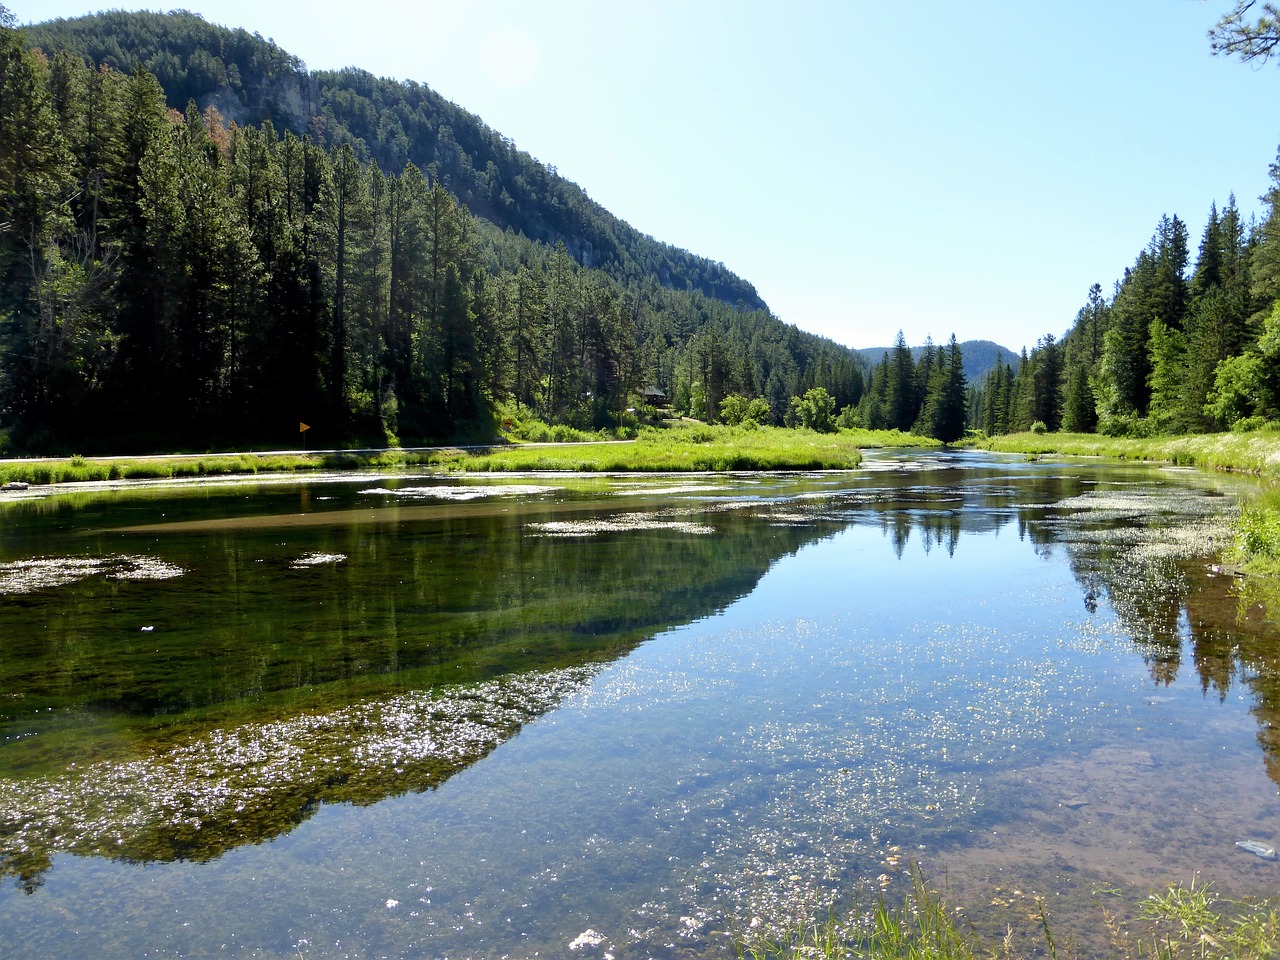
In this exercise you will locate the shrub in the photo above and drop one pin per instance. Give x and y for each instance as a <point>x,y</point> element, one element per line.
<point>1249,424</point>
<point>1258,533</point>
<point>1039,427</point>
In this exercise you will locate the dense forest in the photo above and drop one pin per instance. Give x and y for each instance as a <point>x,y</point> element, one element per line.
<point>171,277</point>
<point>1180,346</point>
<point>203,243</point>
<point>388,122</point>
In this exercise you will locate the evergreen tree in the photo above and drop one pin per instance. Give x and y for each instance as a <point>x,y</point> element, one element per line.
<point>900,387</point>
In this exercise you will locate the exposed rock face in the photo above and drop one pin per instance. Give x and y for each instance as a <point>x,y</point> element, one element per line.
<point>289,101</point>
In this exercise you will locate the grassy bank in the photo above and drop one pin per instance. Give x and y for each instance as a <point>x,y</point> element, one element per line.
<point>686,447</point>
<point>1180,923</point>
<point>98,469</point>
<point>1257,452</point>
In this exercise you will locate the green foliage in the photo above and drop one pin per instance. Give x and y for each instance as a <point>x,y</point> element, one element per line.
<point>736,409</point>
<point>1184,921</point>
<point>1236,389</point>
<point>1246,33</point>
<point>1257,532</point>
<point>1250,424</point>
<point>813,411</point>
<point>1248,386</point>
<point>169,276</point>
<point>1168,355</point>
<point>1039,427</point>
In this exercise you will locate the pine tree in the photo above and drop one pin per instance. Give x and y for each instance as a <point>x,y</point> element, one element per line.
<point>901,400</point>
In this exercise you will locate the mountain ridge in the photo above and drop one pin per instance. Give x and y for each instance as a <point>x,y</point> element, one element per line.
<point>250,79</point>
<point>980,356</point>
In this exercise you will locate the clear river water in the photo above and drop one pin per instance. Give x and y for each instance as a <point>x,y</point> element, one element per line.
<point>562,716</point>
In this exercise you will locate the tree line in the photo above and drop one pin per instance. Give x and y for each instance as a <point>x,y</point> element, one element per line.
<point>1181,345</point>
<point>168,278</point>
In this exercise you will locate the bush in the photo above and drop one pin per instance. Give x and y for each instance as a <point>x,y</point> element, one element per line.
<point>815,410</point>
<point>1126,426</point>
<point>849,419</point>
<point>1258,533</point>
<point>1039,427</point>
<point>1249,424</point>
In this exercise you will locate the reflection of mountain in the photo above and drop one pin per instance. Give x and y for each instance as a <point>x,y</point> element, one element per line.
<point>176,719</point>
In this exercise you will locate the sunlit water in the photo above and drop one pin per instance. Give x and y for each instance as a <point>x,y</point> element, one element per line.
<point>415,717</point>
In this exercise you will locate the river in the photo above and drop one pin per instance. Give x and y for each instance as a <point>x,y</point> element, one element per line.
<point>422,716</point>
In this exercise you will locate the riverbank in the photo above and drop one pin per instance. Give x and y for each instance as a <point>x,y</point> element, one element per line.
<point>1182,921</point>
<point>683,448</point>
<point>1257,529</point>
<point>1257,452</point>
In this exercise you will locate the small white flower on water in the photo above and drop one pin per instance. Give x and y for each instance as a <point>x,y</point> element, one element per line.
<point>587,938</point>
<point>392,904</point>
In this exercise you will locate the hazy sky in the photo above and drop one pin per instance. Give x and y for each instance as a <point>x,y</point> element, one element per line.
<point>931,167</point>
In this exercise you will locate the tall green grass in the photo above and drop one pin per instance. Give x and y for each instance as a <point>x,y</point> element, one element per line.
<point>921,929</point>
<point>682,447</point>
<point>1179,923</point>
<point>80,470</point>
<point>1257,452</point>
<point>1258,532</point>
<point>691,447</point>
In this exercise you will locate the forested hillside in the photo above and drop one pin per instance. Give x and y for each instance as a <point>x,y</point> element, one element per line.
<point>170,277</point>
<point>391,123</point>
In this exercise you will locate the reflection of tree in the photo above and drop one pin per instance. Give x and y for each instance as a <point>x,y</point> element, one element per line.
<point>1144,550</point>
<point>1176,603</point>
<point>249,641</point>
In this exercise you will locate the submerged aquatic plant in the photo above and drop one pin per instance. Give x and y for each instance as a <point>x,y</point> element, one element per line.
<point>210,793</point>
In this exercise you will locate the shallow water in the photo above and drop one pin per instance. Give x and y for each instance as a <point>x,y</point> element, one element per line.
<point>548,716</point>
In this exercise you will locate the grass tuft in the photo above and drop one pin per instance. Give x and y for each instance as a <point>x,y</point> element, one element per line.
<point>1180,923</point>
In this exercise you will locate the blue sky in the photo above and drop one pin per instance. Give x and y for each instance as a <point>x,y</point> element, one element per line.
<point>935,167</point>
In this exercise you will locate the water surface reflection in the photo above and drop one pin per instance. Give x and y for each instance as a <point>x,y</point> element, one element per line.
<point>986,664</point>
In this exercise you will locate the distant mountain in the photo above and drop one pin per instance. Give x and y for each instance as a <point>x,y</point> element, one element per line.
<point>250,79</point>
<point>980,357</point>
